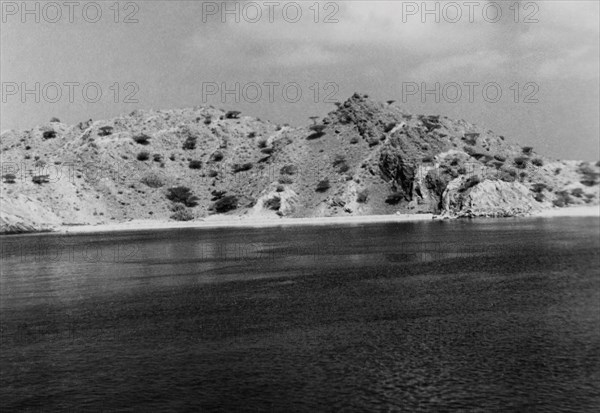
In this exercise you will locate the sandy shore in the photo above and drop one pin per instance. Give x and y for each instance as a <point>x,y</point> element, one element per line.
<point>242,222</point>
<point>254,222</point>
<point>578,211</point>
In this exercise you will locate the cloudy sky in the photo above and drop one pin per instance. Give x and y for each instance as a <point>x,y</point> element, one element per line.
<point>543,56</point>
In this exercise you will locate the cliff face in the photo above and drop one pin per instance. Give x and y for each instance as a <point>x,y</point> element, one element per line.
<point>365,157</point>
<point>490,198</point>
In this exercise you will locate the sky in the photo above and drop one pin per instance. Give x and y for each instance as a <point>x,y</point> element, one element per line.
<point>526,70</point>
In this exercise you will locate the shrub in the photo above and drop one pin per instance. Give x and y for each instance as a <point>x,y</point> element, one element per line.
<point>340,164</point>
<point>577,192</point>
<point>427,159</point>
<point>527,150</point>
<point>182,215</point>
<point>157,157</point>
<point>538,188</point>
<point>500,158</point>
<point>252,135</point>
<point>236,167</point>
<point>273,203</point>
<point>172,157</point>
<point>143,156</point>
<point>54,120</point>
<point>40,179</point>
<point>562,199</point>
<point>323,185</point>
<point>9,178</point>
<point>262,143</point>
<point>152,180</point>
<point>226,204</point>
<point>217,157</point>
<point>539,197</point>
<point>280,188</point>
<point>105,131</point>
<point>142,139</point>
<point>362,196</point>
<point>394,198</point>
<point>318,131</point>
<point>212,173</point>
<point>521,162</point>
<point>285,180</point>
<point>233,114</point>
<point>389,127</point>
<point>354,140</point>
<point>590,176</point>
<point>471,182</point>
<point>267,151</point>
<point>288,170</point>
<point>195,164</point>
<point>538,162</point>
<point>182,195</point>
<point>189,143</point>
<point>49,134</point>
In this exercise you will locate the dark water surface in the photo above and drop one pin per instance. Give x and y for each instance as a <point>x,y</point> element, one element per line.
<point>491,315</point>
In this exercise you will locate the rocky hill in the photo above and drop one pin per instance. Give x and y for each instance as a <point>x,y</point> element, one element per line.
<point>364,158</point>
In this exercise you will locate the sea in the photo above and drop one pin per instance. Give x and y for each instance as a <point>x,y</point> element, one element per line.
<point>481,315</point>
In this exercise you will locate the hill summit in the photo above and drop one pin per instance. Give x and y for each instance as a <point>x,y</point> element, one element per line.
<point>364,158</point>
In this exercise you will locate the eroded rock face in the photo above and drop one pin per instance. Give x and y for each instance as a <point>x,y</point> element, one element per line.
<point>23,214</point>
<point>490,198</point>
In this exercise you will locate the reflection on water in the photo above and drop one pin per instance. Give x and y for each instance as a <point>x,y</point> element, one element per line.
<point>490,315</point>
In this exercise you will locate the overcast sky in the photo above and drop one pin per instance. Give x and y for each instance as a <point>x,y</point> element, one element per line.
<point>549,52</point>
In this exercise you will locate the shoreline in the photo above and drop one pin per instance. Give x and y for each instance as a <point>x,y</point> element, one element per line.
<point>253,222</point>
<point>220,221</point>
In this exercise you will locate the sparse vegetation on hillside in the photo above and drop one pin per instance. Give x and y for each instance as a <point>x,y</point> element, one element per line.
<point>339,163</point>
<point>236,167</point>
<point>527,150</point>
<point>323,185</point>
<point>562,199</point>
<point>362,196</point>
<point>9,178</point>
<point>49,134</point>
<point>40,179</point>
<point>521,162</point>
<point>233,114</point>
<point>289,170</point>
<point>394,198</point>
<point>217,157</point>
<point>182,195</point>
<point>105,131</point>
<point>142,139</point>
<point>190,143</point>
<point>273,203</point>
<point>318,132</point>
<point>225,204</point>
<point>181,213</point>
<point>152,181</point>
<point>538,162</point>
<point>195,164</point>
<point>143,156</point>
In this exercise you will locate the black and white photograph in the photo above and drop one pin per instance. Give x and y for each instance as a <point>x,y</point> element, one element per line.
<point>300,206</point>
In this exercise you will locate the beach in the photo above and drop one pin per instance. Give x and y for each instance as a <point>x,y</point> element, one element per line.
<point>226,221</point>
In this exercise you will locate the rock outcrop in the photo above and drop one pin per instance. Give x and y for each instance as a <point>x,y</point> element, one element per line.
<point>490,198</point>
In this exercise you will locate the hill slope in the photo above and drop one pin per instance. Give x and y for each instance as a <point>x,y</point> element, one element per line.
<point>364,158</point>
